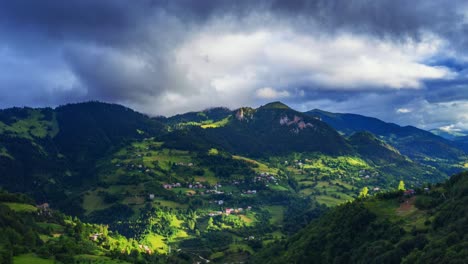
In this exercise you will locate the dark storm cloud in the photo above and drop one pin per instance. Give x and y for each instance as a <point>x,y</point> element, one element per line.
<point>111,20</point>
<point>53,52</point>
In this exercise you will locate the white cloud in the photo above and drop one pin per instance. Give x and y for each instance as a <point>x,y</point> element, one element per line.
<point>234,67</point>
<point>403,110</point>
<point>284,59</point>
<point>429,115</point>
<point>450,128</point>
<point>270,93</point>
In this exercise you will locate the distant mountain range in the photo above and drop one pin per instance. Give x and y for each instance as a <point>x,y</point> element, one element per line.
<point>411,141</point>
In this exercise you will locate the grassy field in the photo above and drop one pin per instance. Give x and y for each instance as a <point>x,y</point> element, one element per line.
<point>397,212</point>
<point>328,200</point>
<point>31,259</point>
<point>277,214</point>
<point>93,202</point>
<point>219,123</point>
<point>32,126</point>
<point>21,207</point>
<point>51,226</point>
<point>156,242</point>
<point>261,167</point>
<point>169,204</point>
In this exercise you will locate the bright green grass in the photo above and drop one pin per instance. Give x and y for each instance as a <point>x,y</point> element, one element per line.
<point>21,207</point>
<point>31,259</point>
<point>156,242</point>
<point>277,214</point>
<point>247,219</point>
<point>261,166</point>
<point>219,123</point>
<point>176,222</point>
<point>33,125</point>
<point>329,201</point>
<point>213,151</point>
<point>181,234</point>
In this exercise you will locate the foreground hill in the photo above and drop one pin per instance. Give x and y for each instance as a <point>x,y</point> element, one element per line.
<point>38,234</point>
<point>429,227</point>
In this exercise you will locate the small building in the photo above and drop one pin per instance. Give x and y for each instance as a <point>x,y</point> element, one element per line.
<point>228,211</point>
<point>151,196</point>
<point>43,207</point>
<point>409,192</point>
<point>95,236</point>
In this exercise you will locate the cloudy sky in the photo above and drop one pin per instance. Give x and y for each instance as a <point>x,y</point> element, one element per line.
<point>398,60</point>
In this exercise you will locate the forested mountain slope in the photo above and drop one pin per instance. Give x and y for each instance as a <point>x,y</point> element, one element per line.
<point>428,227</point>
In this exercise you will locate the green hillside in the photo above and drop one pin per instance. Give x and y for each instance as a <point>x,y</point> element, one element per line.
<point>38,234</point>
<point>428,227</point>
<point>218,185</point>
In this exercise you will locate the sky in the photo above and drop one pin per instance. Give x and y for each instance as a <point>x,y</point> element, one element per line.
<point>400,61</point>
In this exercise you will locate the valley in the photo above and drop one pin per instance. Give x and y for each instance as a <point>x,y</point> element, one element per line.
<point>217,185</point>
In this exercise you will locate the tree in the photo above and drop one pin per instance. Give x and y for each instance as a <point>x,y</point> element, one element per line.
<point>210,222</point>
<point>364,192</point>
<point>401,186</point>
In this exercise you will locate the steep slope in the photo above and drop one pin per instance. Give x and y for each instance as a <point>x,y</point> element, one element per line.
<point>39,234</point>
<point>88,130</point>
<point>411,141</point>
<point>462,142</point>
<point>276,129</point>
<point>430,227</point>
<point>45,152</point>
<point>205,117</point>
<point>389,161</point>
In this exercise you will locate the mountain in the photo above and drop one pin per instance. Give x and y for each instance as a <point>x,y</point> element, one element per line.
<point>429,227</point>
<point>276,129</point>
<point>46,152</point>
<point>415,143</point>
<point>216,185</point>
